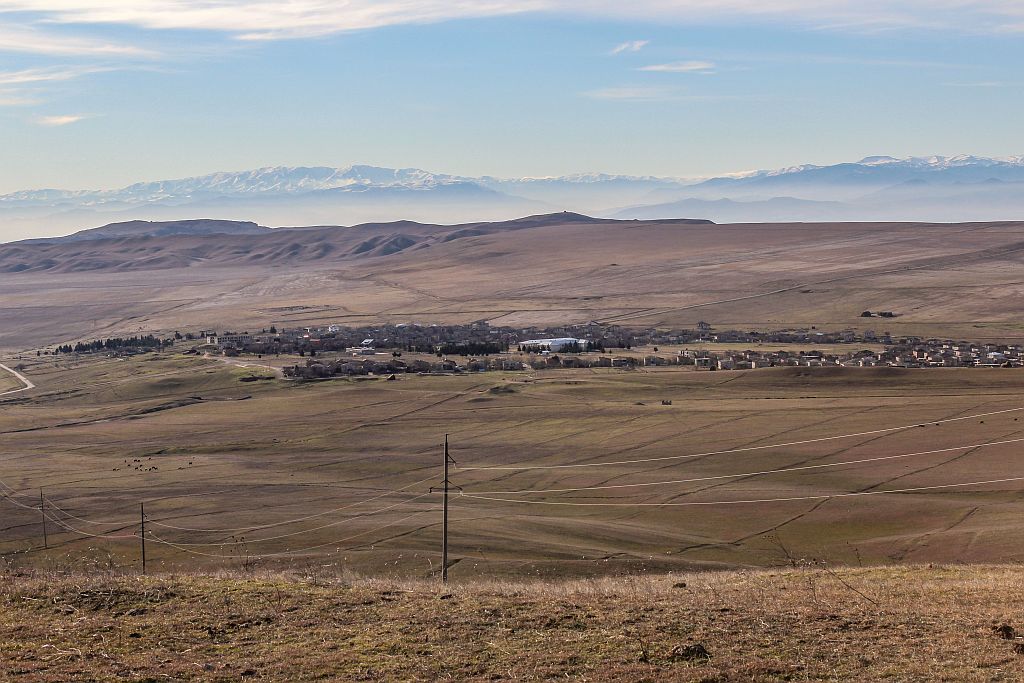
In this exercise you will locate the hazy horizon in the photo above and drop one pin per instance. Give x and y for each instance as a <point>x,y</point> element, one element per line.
<point>102,95</point>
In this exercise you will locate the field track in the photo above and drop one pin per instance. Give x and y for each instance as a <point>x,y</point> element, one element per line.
<point>21,378</point>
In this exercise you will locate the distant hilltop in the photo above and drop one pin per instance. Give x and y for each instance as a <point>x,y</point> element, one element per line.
<point>875,188</point>
<point>146,245</point>
<point>129,229</point>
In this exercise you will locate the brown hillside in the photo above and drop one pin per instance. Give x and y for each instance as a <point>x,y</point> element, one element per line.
<point>939,279</point>
<point>802,624</point>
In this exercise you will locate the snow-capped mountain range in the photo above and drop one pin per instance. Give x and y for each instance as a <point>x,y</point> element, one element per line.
<point>933,163</point>
<point>270,180</point>
<point>875,188</point>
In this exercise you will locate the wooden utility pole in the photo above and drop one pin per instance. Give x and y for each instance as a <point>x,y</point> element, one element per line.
<point>444,534</point>
<point>445,487</point>
<point>142,520</point>
<point>42,511</point>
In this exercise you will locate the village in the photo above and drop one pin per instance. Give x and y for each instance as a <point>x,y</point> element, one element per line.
<point>433,349</point>
<point>333,350</point>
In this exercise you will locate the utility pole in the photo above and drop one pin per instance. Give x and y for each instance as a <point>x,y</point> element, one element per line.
<point>445,486</point>
<point>42,511</point>
<point>142,520</point>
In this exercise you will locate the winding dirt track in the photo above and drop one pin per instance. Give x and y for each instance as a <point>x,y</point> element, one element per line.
<point>20,377</point>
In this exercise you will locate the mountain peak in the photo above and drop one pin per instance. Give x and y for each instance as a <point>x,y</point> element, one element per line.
<point>132,229</point>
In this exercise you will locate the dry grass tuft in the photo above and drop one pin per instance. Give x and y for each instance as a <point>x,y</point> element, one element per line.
<point>804,623</point>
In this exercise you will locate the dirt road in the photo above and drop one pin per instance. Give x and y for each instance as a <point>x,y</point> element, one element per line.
<point>21,378</point>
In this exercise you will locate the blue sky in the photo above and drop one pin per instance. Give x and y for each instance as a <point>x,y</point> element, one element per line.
<point>102,93</point>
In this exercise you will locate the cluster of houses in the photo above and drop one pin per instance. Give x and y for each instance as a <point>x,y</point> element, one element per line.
<point>478,347</point>
<point>481,338</point>
<point>931,353</point>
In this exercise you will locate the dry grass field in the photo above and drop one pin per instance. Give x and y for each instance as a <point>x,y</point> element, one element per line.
<point>956,280</point>
<point>798,624</point>
<point>8,382</point>
<point>290,475</point>
<point>607,524</point>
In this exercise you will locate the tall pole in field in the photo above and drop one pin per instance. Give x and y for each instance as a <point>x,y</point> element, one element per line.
<point>142,520</point>
<point>445,487</point>
<point>42,511</point>
<point>444,553</point>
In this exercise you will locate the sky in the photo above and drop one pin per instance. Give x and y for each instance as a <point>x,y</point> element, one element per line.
<point>103,93</point>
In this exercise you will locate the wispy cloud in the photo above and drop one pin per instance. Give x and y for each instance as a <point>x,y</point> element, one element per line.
<point>60,120</point>
<point>269,19</point>
<point>276,19</point>
<point>45,75</point>
<point>27,87</point>
<point>691,67</point>
<point>630,46</point>
<point>31,40</point>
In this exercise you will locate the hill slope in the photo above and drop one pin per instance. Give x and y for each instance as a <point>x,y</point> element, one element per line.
<point>942,623</point>
<point>946,279</point>
<point>144,245</point>
<point>129,229</point>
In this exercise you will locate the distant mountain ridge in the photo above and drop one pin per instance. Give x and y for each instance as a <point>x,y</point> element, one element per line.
<point>132,229</point>
<point>143,245</point>
<point>936,188</point>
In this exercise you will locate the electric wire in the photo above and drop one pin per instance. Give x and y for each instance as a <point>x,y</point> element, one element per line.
<point>157,539</point>
<point>384,494</point>
<point>76,530</point>
<point>402,490</point>
<point>303,531</point>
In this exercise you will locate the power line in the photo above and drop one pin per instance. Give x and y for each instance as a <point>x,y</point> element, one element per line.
<point>182,546</point>
<point>76,530</point>
<point>240,529</point>
<point>297,550</point>
<point>738,450</point>
<point>384,494</point>
<point>749,474</point>
<point>750,501</point>
<point>303,531</point>
<point>445,487</point>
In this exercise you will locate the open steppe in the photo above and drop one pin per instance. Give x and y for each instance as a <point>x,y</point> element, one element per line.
<point>798,624</point>
<point>652,524</point>
<point>956,280</point>
<point>337,473</point>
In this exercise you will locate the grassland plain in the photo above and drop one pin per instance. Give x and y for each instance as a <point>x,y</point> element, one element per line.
<point>935,623</point>
<point>948,280</point>
<point>288,475</point>
<point>8,382</point>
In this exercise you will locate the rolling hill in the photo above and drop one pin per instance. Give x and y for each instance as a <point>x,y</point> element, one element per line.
<point>145,245</point>
<point>941,279</point>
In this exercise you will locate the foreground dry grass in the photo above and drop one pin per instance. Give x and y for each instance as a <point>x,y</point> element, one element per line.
<point>909,623</point>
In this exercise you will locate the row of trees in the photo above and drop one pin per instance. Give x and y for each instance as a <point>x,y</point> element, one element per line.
<point>471,348</point>
<point>574,347</point>
<point>116,343</point>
